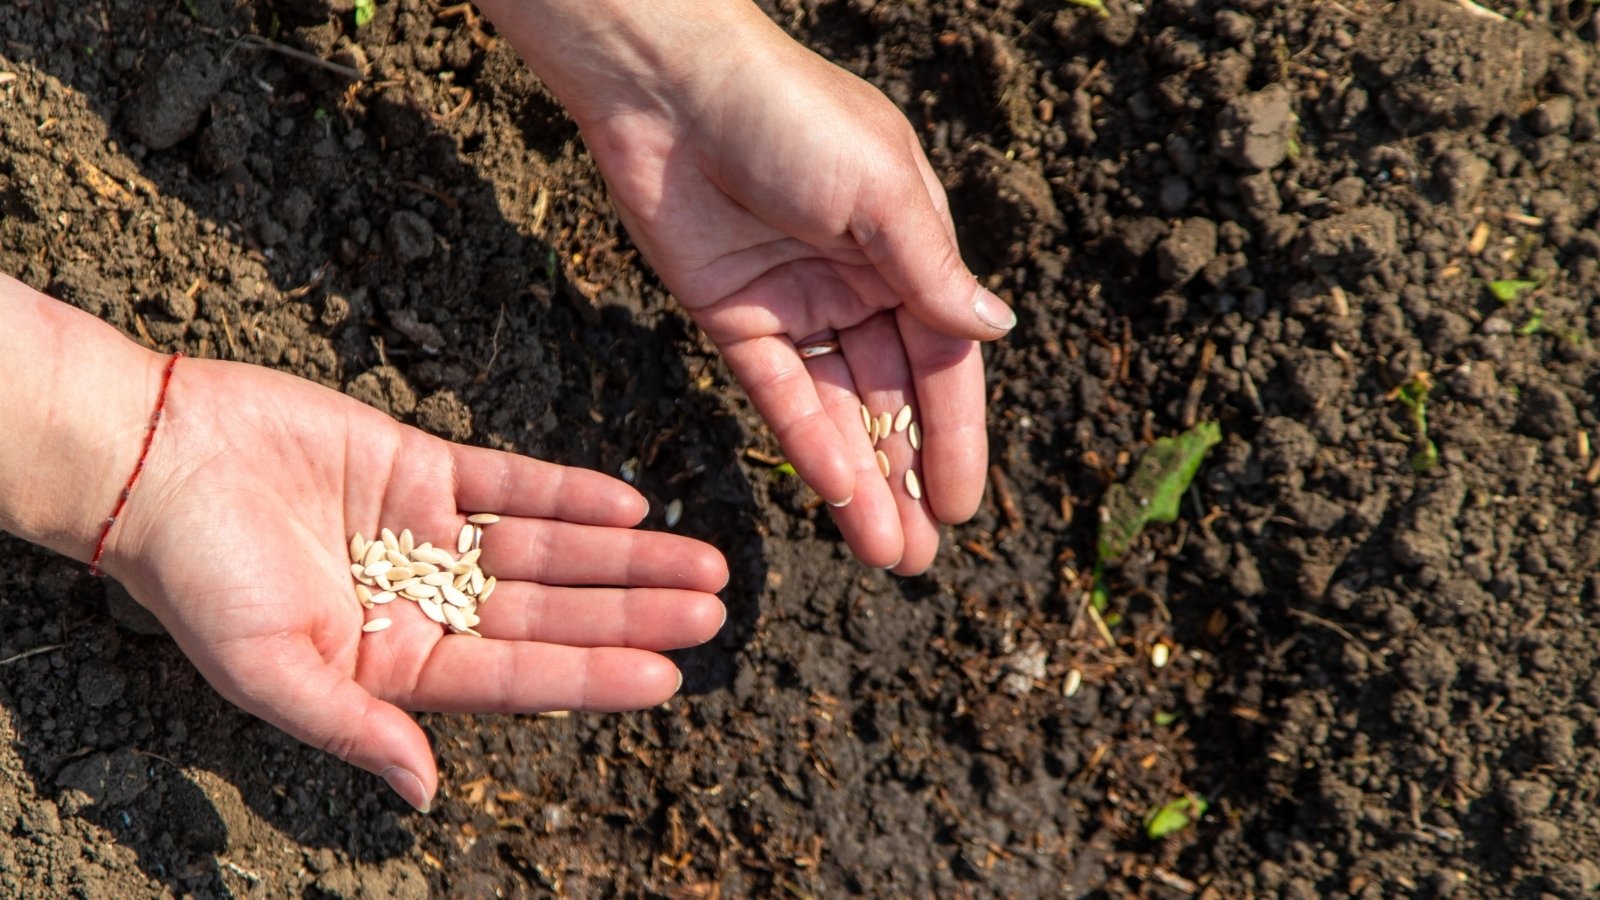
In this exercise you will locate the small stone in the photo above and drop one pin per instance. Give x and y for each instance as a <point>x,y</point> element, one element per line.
<point>1253,130</point>
<point>409,236</point>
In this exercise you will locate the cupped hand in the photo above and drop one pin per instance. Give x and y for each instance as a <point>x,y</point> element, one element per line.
<point>237,537</point>
<point>788,202</point>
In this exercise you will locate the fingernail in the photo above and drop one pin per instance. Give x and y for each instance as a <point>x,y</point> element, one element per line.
<point>408,786</point>
<point>994,312</point>
<point>842,503</point>
<point>680,682</point>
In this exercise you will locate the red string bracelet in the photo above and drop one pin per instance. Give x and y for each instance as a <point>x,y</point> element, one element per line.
<point>144,452</point>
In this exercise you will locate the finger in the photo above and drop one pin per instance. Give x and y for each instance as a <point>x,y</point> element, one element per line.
<point>470,674</point>
<point>937,195</point>
<point>782,390</point>
<point>955,438</point>
<point>870,524</point>
<point>905,236</point>
<point>883,378</point>
<point>643,618</point>
<point>320,705</point>
<point>561,553</point>
<point>508,484</point>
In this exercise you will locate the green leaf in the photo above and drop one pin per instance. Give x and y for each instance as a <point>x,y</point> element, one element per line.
<point>1426,457</point>
<point>1174,816</point>
<point>1509,289</point>
<point>1164,718</point>
<point>1098,6</point>
<point>1152,492</point>
<point>1532,326</point>
<point>365,10</point>
<point>784,468</point>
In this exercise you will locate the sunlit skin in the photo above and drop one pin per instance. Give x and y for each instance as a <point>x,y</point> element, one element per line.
<point>782,200</point>
<point>237,538</point>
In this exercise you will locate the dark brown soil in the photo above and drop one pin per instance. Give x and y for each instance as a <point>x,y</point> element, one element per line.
<point>1268,214</point>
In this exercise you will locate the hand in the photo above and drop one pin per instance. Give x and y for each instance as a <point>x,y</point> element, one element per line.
<point>790,201</point>
<point>237,537</point>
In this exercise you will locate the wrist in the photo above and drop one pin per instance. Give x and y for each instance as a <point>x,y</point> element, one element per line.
<point>610,58</point>
<point>83,396</point>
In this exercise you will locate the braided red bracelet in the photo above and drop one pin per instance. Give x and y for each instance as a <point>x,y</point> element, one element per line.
<point>127,489</point>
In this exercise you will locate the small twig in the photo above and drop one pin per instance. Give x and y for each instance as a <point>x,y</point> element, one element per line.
<point>27,653</point>
<point>310,59</point>
<point>1197,387</point>
<point>1341,631</point>
<point>1100,625</point>
<point>308,287</point>
<point>494,345</point>
<point>1007,501</point>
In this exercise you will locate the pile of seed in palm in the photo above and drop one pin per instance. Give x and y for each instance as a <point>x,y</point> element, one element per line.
<point>445,587</point>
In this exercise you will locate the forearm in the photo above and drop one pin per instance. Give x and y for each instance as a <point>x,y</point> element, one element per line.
<point>610,57</point>
<point>79,396</point>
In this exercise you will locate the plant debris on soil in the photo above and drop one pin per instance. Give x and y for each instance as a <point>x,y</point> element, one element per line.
<point>1381,678</point>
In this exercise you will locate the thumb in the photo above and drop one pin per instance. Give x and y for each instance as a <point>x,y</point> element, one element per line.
<point>910,245</point>
<point>318,704</point>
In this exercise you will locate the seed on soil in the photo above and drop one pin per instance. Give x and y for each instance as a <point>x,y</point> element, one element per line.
<point>915,435</point>
<point>883,462</point>
<point>674,513</point>
<point>464,539</point>
<point>1073,683</point>
<point>446,588</point>
<point>1159,655</point>
<point>902,418</point>
<point>913,486</point>
<point>376,625</point>
<point>866,420</point>
<point>885,424</point>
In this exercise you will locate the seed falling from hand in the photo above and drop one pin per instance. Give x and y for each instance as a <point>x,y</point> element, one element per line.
<point>674,513</point>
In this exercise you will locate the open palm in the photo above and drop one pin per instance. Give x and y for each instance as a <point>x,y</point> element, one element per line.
<point>796,204</point>
<point>238,534</point>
